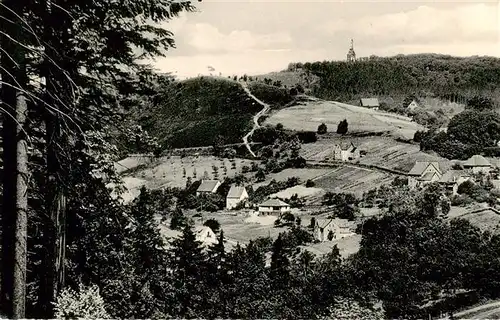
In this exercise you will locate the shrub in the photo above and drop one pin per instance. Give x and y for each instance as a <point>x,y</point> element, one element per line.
<point>212,224</point>
<point>322,128</point>
<point>254,167</point>
<point>313,223</point>
<point>343,127</point>
<point>330,235</point>
<point>310,183</point>
<point>260,175</point>
<point>178,220</point>
<point>87,303</point>
<point>307,136</point>
<point>288,218</point>
<point>466,187</point>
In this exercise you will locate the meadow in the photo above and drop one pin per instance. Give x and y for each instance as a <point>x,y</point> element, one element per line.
<point>308,116</point>
<point>174,171</point>
<point>380,151</point>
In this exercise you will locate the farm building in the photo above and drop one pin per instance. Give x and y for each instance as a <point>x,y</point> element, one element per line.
<point>412,105</point>
<point>478,163</point>
<point>235,196</point>
<point>370,102</point>
<point>424,172</point>
<point>205,235</point>
<point>334,228</point>
<point>452,179</point>
<point>208,186</point>
<point>273,206</point>
<point>346,152</point>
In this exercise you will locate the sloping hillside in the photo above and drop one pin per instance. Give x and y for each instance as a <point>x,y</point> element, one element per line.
<point>378,151</point>
<point>455,78</point>
<point>308,116</point>
<point>290,78</point>
<point>194,112</point>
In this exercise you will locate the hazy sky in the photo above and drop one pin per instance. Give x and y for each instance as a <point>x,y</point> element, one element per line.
<point>254,37</point>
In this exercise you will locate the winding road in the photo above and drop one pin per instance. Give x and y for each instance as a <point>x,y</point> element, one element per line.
<point>256,118</point>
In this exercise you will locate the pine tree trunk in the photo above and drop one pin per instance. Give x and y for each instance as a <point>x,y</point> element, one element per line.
<point>55,200</point>
<point>15,162</point>
<point>55,223</point>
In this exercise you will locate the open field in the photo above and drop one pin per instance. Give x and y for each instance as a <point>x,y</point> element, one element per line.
<point>310,115</point>
<point>347,246</point>
<point>353,180</point>
<point>174,171</point>
<point>303,174</point>
<point>486,220</point>
<point>380,151</point>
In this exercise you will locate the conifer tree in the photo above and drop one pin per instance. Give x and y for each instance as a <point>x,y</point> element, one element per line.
<point>188,271</point>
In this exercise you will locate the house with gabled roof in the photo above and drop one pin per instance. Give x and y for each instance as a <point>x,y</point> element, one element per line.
<point>370,102</point>
<point>477,164</point>
<point>412,105</point>
<point>451,179</point>
<point>424,172</point>
<point>208,186</point>
<point>205,235</point>
<point>346,152</point>
<point>273,207</point>
<point>331,229</point>
<point>235,196</point>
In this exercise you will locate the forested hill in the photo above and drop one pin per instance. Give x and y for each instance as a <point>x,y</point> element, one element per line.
<point>197,111</point>
<point>421,74</point>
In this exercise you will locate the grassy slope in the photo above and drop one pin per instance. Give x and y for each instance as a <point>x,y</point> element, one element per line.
<point>310,115</point>
<point>194,112</point>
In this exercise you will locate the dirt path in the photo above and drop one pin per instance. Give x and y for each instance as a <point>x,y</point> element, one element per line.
<point>487,311</point>
<point>256,118</point>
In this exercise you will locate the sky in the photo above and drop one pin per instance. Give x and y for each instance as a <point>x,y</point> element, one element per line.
<point>257,37</point>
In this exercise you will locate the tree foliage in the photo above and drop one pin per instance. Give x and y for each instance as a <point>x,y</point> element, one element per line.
<point>342,127</point>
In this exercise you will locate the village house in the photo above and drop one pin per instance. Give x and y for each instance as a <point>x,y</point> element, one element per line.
<point>346,152</point>
<point>424,172</point>
<point>452,179</point>
<point>235,196</point>
<point>334,228</point>
<point>412,105</point>
<point>477,164</point>
<point>205,235</point>
<point>208,186</point>
<point>273,207</point>
<point>370,102</point>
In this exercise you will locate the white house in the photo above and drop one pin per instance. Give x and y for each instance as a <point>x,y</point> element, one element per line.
<point>235,196</point>
<point>273,206</point>
<point>205,235</point>
<point>346,152</point>
<point>370,102</point>
<point>424,172</point>
<point>453,178</point>
<point>339,228</point>
<point>477,164</point>
<point>412,105</point>
<point>208,186</point>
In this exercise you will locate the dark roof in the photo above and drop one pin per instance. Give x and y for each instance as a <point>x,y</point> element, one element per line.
<point>346,146</point>
<point>235,192</point>
<point>323,223</point>
<point>420,167</point>
<point>370,102</point>
<point>208,186</point>
<point>274,203</point>
<point>477,161</point>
